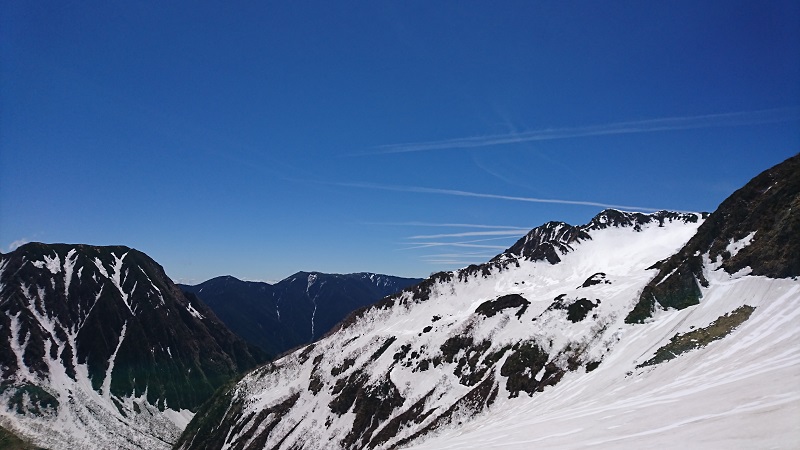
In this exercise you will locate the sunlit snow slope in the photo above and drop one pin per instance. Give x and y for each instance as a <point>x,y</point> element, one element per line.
<point>434,357</point>
<point>722,371</point>
<point>565,340</point>
<point>100,350</point>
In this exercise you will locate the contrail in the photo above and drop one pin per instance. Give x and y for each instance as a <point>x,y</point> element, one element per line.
<point>425,190</point>
<point>741,118</point>
<point>516,232</point>
<point>455,244</point>
<point>448,225</point>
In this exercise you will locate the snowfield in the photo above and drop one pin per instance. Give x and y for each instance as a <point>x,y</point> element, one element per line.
<point>739,392</point>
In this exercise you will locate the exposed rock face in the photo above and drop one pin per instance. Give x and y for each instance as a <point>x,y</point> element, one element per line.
<point>99,341</point>
<point>757,227</point>
<point>295,311</point>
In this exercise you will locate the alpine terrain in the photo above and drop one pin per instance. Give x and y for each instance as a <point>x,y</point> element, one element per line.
<point>295,311</point>
<point>636,330</point>
<point>99,349</point>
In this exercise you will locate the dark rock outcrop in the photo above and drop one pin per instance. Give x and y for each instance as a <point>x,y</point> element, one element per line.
<point>766,211</point>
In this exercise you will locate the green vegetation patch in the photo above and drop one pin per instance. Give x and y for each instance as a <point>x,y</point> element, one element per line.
<point>10,441</point>
<point>682,343</point>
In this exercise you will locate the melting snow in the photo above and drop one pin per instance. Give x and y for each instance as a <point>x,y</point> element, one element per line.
<point>106,390</point>
<point>194,312</point>
<point>735,246</point>
<point>69,267</point>
<point>53,264</point>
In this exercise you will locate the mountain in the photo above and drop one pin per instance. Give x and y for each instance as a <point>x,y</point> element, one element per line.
<point>99,349</point>
<point>536,348</point>
<point>295,311</point>
<point>755,230</point>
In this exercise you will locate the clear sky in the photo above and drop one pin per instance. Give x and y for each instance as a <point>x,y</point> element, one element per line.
<point>258,139</point>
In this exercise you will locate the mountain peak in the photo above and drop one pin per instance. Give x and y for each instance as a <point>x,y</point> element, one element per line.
<point>552,239</point>
<point>103,334</point>
<point>617,218</point>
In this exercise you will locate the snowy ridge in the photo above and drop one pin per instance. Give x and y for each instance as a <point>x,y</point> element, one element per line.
<point>449,349</point>
<point>524,352</point>
<point>635,330</point>
<point>553,239</point>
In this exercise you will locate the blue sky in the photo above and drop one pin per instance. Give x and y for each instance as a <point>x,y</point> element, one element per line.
<point>265,138</point>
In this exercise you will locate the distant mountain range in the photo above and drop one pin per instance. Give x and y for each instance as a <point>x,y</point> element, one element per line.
<point>635,330</point>
<point>295,311</point>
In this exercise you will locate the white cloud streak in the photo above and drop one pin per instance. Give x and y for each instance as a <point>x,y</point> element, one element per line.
<point>459,255</point>
<point>516,232</point>
<point>732,119</point>
<point>447,225</point>
<point>452,262</point>
<point>455,244</point>
<point>424,190</point>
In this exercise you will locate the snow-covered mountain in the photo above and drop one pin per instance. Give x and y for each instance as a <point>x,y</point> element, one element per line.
<point>574,336</point>
<point>295,311</point>
<point>99,349</point>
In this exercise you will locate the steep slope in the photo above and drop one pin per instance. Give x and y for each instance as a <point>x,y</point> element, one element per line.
<point>756,229</point>
<point>533,349</point>
<point>294,311</point>
<point>452,346</point>
<point>716,363</point>
<point>99,349</point>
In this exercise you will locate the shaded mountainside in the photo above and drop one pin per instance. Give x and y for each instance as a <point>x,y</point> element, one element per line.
<point>755,229</point>
<point>295,311</point>
<point>99,340</point>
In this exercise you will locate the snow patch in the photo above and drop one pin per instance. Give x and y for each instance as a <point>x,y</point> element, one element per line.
<point>735,246</point>
<point>53,264</point>
<point>194,312</point>
<point>106,389</point>
<point>69,268</point>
